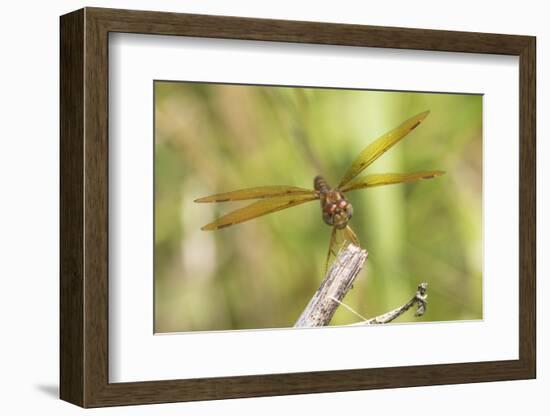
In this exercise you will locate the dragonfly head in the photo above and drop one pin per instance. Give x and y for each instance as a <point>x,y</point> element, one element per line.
<point>337,211</point>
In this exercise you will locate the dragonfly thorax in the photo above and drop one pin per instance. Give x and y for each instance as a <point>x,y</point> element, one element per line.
<point>336,209</point>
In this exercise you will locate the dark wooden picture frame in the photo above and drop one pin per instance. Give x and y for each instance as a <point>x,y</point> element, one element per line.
<point>84,207</point>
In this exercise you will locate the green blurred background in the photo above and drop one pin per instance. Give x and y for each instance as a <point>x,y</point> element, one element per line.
<point>212,138</point>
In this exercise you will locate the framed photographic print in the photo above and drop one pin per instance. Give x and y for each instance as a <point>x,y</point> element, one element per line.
<point>255,207</point>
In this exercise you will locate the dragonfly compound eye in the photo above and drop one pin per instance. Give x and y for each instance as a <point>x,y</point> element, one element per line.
<point>349,210</point>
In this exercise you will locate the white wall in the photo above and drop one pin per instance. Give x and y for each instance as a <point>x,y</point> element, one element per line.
<point>29,206</point>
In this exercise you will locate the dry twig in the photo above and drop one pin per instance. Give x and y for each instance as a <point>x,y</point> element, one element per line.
<point>335,286</point>
<point>419,299</point>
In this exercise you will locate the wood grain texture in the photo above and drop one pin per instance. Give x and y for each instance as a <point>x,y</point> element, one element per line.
<point>527,209</point>
<point>226,27</point>
<point>96,218</point>
<point>71,186</point>
<point>84,207</point>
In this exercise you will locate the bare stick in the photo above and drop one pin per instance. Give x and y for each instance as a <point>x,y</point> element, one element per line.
<point>418,299</point>
<point>335,286</point>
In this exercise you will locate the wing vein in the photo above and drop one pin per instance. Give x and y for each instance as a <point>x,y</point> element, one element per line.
<point>259,192</point>
<point>257,209</point>
<point>380,179</point>
<point>377,148</point>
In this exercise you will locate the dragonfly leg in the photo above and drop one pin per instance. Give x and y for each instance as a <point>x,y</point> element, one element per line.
<point>330,248</point>
<point>339,239</point>
<point>352,236</point>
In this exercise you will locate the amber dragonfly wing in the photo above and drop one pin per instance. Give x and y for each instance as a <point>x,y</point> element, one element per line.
<point>377,148</point>
<point>259,208</point>
<point>372,180</point>
<point>339,239</point>
<point>258,192</point>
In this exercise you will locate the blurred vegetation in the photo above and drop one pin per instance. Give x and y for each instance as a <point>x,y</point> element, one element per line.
<point>213,138</point>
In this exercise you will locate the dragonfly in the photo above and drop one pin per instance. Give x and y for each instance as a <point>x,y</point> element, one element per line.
<point>336,209</point>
